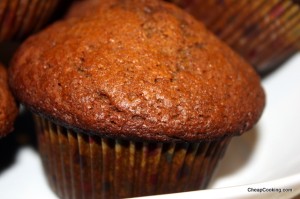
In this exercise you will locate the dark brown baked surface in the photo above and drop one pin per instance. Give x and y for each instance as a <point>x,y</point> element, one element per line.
<point>8,109</point>
<point>80,8</point>
<point>137,69</point>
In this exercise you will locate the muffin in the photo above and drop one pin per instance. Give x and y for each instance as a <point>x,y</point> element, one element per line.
<point>19,18</point>
<point>80,8</point>
<point>8,108</point>
<point>135,99</point>
<point>265,33</point>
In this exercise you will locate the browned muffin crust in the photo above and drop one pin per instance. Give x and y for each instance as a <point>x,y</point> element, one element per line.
<point>138,69</point>
<point>8,109</point>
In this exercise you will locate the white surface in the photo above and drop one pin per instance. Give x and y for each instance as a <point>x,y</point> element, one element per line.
<point>266,157</point>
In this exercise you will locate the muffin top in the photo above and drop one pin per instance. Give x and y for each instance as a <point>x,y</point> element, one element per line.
<point>8,109</point>
<point>140,70</point>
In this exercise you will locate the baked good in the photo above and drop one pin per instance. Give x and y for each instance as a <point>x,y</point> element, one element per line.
<point>19,18</point>
<point>265,33</point>
<point>135,99</point>
<point>79,8</point>
<point>8,108</point>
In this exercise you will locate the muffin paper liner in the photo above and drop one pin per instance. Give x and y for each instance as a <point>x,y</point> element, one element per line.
<point>264,32</point>
<point>18,18</point>
<point>9,14</point>
<point>83,166</point>
<point>44,16</point>
<point>33,10</point>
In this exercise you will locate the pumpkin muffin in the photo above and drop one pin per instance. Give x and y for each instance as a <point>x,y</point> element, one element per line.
<point>265,33</point>
<point>135,99</point>
<point>8,108</point>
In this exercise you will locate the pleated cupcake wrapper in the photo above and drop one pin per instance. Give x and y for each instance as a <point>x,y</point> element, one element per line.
<point>18,18</point>
<point>264,32</point>
<point>81,166</point>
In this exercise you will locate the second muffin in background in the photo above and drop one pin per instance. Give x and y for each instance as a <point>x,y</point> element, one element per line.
<point>135,99</point>
<point>8,107</point>
<point>266,33</point>
<point>20,18</point>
